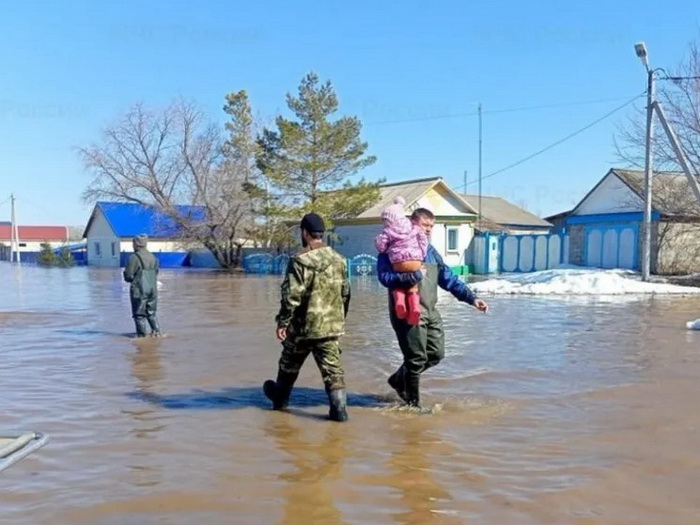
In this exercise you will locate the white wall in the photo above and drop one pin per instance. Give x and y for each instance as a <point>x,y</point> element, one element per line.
<point>35,246</point>
<point>359,239</point>
<point>154,246</point>
<point>438,239</point>
<point>611,196</point>
<point>101,234</point>
<point>356,239</point>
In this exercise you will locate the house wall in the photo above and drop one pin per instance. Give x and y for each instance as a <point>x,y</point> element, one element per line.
<point>578,239</point>
<point>518,230</point>
<point>440,202</point>
<point>35,246</point>
<point>103,246</point>
<point>155,246</point>
<point>558,225</point>
<point>678,250</point>
<point>611,196</point>
<point>358,239</point>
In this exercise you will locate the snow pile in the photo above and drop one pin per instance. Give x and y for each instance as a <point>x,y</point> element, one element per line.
<point>693,325</point>
<point>578,281</point>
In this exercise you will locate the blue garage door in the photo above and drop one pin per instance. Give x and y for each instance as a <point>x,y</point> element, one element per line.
<point>612,246</point>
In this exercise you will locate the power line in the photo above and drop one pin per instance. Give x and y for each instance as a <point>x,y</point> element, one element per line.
<point>495,111</point>
<point>562,140</point>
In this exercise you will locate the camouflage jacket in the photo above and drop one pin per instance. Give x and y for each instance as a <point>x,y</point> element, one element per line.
<point>315,295</point>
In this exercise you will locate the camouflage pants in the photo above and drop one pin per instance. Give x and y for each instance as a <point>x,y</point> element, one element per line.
<point>326,353</point>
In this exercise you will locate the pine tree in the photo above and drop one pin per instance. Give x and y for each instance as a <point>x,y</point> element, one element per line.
<point>46,257</point>
<point>309,161</point>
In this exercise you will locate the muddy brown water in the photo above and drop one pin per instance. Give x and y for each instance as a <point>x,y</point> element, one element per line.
<point>555,411</point>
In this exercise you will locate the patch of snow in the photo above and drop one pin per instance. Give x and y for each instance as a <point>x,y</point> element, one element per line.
<point>578,281</point>
<point>693,325</point>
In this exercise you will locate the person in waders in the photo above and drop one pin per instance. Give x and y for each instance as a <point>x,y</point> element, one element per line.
<point>315,301</point>
<point>142,272</point>
<point>422,345</point>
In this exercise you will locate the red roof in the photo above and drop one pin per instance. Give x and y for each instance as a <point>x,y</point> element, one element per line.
<point>34,233</point>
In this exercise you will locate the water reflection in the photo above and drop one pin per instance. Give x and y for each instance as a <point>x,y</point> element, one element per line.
<point>422,496</point>
<point>316,465</point>
<point>146,367</point>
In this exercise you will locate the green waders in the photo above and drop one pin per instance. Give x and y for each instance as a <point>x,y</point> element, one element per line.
<point>422,345</point>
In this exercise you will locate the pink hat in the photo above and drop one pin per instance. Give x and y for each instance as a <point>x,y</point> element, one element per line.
<point>395,212</point>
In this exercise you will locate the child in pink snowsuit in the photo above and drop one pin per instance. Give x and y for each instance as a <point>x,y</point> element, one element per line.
<point>406,244</point>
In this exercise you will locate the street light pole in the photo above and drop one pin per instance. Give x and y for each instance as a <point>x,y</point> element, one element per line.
<point>480,141</point>
<point>641,52</point>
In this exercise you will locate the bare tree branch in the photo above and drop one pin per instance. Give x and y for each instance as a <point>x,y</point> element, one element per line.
<point>172,157</point>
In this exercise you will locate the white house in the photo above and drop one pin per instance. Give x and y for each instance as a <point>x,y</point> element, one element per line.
<point>113,225</point>
<point>31,238</point>
<point>454,220</point>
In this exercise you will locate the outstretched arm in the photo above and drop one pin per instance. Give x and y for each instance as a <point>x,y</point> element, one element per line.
<point>450,282</point>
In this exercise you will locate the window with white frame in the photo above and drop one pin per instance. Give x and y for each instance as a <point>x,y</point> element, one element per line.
<point>98,249</point>
<point>114,249</point>
<point>452,239</point>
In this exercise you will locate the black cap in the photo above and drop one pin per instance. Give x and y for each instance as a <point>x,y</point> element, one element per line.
<point>313,223</point>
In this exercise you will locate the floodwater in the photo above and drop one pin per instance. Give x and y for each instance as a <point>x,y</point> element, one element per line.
<point>547,411</point>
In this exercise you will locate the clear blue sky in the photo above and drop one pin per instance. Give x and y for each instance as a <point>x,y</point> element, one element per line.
<point>68,68</point>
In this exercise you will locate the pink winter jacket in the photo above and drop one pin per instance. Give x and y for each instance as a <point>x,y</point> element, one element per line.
<point>402,241</point>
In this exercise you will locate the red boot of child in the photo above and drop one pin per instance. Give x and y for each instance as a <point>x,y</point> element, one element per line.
<point>400,306</point>
<point>413,300</point>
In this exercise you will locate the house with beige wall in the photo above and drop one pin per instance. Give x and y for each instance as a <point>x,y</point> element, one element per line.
<point>454,220</point>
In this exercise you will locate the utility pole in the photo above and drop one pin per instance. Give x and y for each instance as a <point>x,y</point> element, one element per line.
<point>465,182</point>
<point>654,105</point>
<point>14,235</point>
<point>648,175</point>
<point>480,140</point>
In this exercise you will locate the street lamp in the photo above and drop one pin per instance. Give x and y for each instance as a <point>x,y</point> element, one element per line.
<point>641,50</point>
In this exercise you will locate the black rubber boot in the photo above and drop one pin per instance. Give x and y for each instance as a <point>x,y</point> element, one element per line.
<point>412,382</point>
<point>141,326</point>
<point>279,391</point>
<point>338,401</point>
<point>397,382</point>
<point>155,328</point>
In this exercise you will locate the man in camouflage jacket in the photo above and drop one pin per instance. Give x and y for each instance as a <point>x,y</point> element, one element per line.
<point>311,319</point>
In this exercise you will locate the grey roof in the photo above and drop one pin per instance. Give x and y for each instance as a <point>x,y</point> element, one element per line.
<point>503,213</point>
<point>411,191</point>
<point>671,192</point>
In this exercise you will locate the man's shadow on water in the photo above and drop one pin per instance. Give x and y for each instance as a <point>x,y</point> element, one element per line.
<point>233,398</point>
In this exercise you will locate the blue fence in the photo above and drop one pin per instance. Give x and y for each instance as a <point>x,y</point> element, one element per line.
<point>266,264</point>
<point>79,256</point>
<point>519,253</point>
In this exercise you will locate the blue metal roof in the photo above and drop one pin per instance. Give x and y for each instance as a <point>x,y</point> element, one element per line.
<point>130,219</point>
